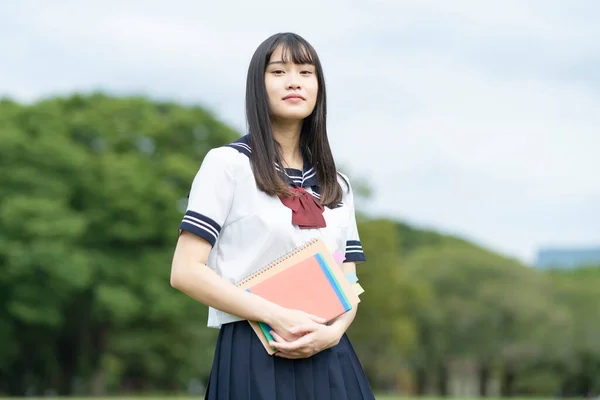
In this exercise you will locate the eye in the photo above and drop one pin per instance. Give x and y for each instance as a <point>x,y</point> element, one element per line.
<point>306,72</point>
<point>277,72</point>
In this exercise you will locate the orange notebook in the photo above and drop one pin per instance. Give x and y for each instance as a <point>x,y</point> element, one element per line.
<point>306,279</point>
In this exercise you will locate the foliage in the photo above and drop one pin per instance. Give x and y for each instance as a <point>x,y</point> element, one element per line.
<point>91,193</point>
<point>92,190</point>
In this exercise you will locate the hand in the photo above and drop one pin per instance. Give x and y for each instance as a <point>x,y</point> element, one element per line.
<point>322,338</point>
<point>290,325</point>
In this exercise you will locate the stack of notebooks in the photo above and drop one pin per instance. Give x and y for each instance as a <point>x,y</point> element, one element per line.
<point>310,279</point>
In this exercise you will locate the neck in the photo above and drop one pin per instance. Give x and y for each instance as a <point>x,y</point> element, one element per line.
<point>287,134</point>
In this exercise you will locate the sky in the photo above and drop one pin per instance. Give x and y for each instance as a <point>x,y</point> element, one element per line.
<point>474,118</point>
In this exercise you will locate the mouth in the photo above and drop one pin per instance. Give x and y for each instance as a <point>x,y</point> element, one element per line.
<point>293,97</point>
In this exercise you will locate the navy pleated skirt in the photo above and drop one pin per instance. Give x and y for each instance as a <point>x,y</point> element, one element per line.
<point>242,370</point>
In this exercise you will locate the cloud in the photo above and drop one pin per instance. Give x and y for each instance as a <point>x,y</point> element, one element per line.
<point>478,118</point>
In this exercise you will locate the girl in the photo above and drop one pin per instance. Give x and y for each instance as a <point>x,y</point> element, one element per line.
<point>251,202</point>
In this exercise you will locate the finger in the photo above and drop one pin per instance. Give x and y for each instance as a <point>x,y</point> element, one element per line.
<point>277,337</point>
<point>317,319</point>
<point>280,346</point>
<point>301,329</point>
<point>293,346</point>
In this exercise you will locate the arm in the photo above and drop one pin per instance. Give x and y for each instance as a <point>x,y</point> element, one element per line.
<point>316,341</point>
<point>329,335</point>
<point>210,201</point>
<point>343,322</point>
<point>354,255</point>
<point>190,275</point>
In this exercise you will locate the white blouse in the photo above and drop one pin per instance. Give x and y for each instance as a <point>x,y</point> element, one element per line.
<point>247,228</point>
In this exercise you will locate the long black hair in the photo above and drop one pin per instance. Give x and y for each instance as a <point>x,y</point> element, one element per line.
<point>314,143</point>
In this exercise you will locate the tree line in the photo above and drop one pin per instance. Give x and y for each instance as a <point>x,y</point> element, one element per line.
<point>92,190</point>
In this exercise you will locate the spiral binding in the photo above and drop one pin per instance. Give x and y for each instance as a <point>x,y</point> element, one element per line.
<point>277,261</point>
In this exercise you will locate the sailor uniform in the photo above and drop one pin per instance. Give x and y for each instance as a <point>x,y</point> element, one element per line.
<point>247,230</point>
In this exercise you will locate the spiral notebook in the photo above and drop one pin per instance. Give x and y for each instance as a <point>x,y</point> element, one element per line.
<point>307,279</point>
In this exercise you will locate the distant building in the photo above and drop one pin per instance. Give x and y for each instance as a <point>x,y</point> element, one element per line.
<point>567,258</point>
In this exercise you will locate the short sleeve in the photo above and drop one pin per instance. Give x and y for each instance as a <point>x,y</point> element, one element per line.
<point>211,195</point>
<point>354,250</point>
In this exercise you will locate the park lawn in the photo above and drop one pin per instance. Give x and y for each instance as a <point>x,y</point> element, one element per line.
<point>380,397</point>
<point>158,398</point>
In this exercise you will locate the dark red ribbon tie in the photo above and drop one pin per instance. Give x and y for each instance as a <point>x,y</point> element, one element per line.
<point>307,212</point>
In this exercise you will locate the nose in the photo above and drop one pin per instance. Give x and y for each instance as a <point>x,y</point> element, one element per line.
<point>293,82</point>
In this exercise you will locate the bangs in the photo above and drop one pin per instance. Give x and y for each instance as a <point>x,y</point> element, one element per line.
<point>295,51</point>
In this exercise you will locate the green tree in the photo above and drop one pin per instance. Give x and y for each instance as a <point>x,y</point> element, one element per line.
<point>579,364</point>
<point>383,330</point>
<point>92,190</point>
<point>488,311</point>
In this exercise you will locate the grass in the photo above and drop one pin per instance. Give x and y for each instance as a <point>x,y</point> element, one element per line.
<point>381,397</point>
<point>154,398</point>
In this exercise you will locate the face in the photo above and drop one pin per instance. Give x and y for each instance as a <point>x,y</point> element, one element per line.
<point>292,88</point>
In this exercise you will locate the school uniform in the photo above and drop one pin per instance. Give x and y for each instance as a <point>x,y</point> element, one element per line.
<point>247,229</point>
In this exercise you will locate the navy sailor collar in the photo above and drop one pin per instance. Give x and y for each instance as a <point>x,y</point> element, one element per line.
<point>305,178</point>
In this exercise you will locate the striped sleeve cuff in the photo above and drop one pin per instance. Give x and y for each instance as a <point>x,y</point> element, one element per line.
<point>354,251</point>
<point>201,225</point>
